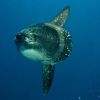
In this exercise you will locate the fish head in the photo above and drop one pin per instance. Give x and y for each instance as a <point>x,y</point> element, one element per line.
<point>29,44</point>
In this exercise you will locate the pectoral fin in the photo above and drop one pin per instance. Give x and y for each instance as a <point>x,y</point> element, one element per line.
<point>48,73</point>
<point>60,19</point>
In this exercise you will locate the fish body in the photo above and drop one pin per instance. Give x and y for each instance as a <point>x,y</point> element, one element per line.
<point>47,43</point>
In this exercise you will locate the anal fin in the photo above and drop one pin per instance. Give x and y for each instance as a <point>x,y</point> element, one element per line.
<point>48,73</point>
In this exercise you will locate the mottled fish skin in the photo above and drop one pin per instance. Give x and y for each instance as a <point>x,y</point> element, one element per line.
<point>67,49</point>
<point>57,42</point>
<point>49,38</point>
<point>65,44</point>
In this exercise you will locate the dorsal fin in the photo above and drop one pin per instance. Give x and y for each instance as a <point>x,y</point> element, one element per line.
<point>60,19</point>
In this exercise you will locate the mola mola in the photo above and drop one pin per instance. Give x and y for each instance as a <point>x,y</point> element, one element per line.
<point>48,43</point>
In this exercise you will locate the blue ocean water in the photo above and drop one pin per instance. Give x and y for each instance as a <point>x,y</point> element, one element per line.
<point>77,78</point>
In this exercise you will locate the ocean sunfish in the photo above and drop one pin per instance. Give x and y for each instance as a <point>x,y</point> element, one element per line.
<point>47,43</point>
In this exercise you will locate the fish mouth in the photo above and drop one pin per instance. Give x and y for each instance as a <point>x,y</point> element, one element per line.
<point>19,38</point>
